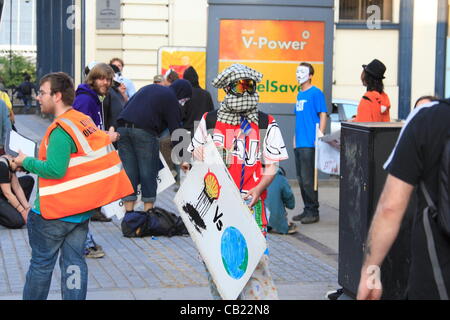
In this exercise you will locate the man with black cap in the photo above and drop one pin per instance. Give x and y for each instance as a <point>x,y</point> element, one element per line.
<point>375,104</point>
<point>243,155</point>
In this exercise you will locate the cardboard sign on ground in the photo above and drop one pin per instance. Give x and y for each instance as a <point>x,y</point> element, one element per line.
<point>165,180</point>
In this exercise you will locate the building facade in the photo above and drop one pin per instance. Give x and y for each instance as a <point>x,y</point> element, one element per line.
<point>18,28</point>
<point>401,33</point>
<point>409,36</point>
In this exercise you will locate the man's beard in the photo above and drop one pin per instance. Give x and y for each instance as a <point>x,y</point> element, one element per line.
<point>48,109</point>
<point>98,89</point>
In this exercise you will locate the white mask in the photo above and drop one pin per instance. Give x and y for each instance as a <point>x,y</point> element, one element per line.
<point>182,102</point>
<point>302,74</point>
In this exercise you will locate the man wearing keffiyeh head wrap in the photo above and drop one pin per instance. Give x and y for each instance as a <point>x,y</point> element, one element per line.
<point>237,127</point>
<point>233,107</point>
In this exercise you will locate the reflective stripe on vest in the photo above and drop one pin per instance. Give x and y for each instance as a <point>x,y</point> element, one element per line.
<point>80,137</point>
<point>76,183</point>
<point>94,155</point>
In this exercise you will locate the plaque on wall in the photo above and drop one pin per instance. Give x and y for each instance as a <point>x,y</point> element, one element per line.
<point>108,14</point>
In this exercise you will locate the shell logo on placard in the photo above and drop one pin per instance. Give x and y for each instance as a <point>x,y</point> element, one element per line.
<point>209,194</point>
<point>212,186</point>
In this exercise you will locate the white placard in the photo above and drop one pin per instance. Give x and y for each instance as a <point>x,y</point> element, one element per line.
<point>221,225</point>
<point>328,153</point>
<point>328,158</point>
<point>165,179</point>
<point>18,142</point>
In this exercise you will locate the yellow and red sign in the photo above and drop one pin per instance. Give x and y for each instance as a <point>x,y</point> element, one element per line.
<point>181,58</point>
<point>274,48</point>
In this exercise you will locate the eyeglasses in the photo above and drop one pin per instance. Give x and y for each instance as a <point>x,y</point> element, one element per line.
<point>239,87</point>
<point>43,93</point>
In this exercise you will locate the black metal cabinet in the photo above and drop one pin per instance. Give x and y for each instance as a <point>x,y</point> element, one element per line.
<point>365,147</point>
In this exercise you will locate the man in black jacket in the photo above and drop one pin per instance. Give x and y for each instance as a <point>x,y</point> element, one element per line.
<point>151,111</point>
<point>115,100</point>
<point>25,91</point>
<point>200,103</point>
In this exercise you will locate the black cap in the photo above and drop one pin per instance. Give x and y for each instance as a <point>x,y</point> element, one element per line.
<point>376,69</point>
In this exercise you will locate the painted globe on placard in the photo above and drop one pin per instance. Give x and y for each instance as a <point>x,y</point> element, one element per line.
<point>234,253</point>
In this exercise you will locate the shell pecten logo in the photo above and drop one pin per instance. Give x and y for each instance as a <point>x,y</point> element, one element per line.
<point>212,186</point>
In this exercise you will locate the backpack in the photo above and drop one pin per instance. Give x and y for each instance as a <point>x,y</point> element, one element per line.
<point>155,222</point>
<point>441,213</point>
<point>263,124</point>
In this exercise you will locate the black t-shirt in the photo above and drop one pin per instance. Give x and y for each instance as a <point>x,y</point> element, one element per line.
<point>5,175</point>
<point>417,158</point>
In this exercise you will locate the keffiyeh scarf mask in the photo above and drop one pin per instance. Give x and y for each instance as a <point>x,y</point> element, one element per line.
<point>235,106</point>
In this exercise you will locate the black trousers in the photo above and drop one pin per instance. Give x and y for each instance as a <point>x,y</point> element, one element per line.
<point>9,216</point>
<point>304,160</point>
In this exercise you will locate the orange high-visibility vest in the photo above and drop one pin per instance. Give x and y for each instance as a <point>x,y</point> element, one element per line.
<point>95,176</point>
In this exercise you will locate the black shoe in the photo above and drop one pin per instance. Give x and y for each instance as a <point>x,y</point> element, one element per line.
<point>310,219</point>
<point>299,217</point>
<point>100,217</point>
<point>335,294</point>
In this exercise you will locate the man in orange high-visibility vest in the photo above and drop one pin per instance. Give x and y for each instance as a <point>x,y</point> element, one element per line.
<point>79,170</point>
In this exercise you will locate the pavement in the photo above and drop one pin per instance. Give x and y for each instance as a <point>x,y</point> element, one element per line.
<point>303,266</point>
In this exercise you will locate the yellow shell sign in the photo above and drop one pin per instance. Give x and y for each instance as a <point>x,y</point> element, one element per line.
<point>275,48</point>
<point>212,186</point>
<point>181,58</point>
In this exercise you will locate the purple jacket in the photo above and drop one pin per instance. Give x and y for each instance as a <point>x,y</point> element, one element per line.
<point>88,102</point>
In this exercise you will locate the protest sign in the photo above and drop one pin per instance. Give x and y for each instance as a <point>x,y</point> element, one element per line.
<point>328,153</point>
<point>221,225</point>
<point>16,142</point>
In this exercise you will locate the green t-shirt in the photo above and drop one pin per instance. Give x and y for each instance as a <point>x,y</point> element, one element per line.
<point>60,147</point>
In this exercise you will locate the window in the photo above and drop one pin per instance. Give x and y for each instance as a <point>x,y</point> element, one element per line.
<point>350,110</point>
<point>356,10</point>
<point>334,117</point>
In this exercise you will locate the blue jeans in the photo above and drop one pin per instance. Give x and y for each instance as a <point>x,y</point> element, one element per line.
<point>89,243</point>
<point>47,239</point>
<point>304,161</point>
<point>139,152</point>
